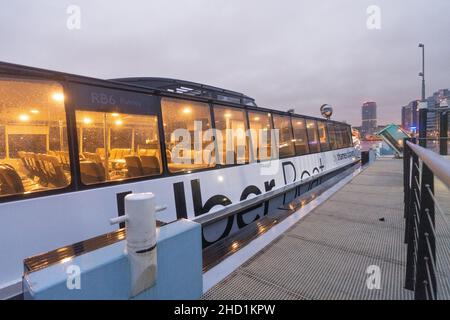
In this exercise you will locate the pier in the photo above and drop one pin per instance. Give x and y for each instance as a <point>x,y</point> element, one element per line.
<point>338,248</point>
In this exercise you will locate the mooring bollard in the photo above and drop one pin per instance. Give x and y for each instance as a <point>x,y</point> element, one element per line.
<point>140,225</point>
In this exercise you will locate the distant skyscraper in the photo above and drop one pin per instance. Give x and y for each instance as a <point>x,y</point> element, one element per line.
<point>369,118</point>
<point>410,112</point>
<point>434,101</point>
<point>410,116</point>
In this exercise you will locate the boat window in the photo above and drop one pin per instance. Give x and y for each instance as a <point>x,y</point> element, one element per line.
<point>345,141</point>
<point>232,140</point>
<point>332,135</point>
<point>339,135</point>
<point>260,126</point>
<point>300,136</point>
<point>189,140</point>
<point>323,136</point>
<point>346,136</point>
<point>33,137</point>
<point>117,146</point>
<point>313,136</point>
<point>286,142</point>
<point>350,136</point>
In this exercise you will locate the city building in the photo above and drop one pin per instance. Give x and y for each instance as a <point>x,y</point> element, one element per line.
<point>434,101</point>
<point>410,113</point>
<point>369,118</point>
<point>410,116</point>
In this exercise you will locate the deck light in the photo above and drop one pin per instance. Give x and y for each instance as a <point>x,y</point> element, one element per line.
<point>58,96</point>
<point>66,260</point>
<point>24,117</point>
<point>87,120</point>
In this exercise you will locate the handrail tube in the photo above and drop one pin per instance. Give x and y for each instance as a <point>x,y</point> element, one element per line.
<point>437,164</point>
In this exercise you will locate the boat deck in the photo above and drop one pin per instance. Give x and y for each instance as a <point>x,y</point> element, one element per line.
<point>326,254</point>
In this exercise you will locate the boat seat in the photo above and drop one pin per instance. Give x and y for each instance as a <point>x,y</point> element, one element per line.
<point>26,163</point>
<point>150,165</point>
<point>53,170</point>
<point>94,157</point>
<point>63,157</point>
<point>118,153</point>
<point>301,148</point>
<point>134,166</point>
<point>10,181</point>
<point>92,172</point>
<point>100,152</point>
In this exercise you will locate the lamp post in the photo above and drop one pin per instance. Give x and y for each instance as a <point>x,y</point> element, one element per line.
<point>422,74</point>
<point>422,109</point>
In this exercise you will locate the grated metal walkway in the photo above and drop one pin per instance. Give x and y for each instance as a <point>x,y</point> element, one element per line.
<point>326,254</point>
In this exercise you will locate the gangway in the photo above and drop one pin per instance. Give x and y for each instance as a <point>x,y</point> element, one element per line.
<point>393,135</point>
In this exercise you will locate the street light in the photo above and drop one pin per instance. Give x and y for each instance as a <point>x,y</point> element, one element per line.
<point>422,74</point>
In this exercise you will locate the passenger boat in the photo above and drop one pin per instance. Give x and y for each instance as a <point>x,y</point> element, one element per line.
<point>72,147</point>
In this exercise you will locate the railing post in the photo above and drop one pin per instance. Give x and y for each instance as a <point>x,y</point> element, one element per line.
<point>410,208</point>
<point>423,113</point>
<point>406,174</point>
<point>443,133</point>
<point>425,285</point>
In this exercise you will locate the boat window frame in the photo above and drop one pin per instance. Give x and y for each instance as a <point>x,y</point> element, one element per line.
<point>71,186</point>
<point>332,137</point>
<point>328,147</point>
<point>289,118</point>
<point>150,110</point>
<point>318,137</point>
<point>252,157</point>
<point>248,140</point>
<point>212,126</point>
<point>297,152</point>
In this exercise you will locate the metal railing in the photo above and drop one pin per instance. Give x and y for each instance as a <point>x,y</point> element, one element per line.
<point>421,166</point>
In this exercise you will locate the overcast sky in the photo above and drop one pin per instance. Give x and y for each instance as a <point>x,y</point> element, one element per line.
<point>285,54</point>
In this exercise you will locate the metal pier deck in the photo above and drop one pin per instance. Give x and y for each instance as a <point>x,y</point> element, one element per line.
<point>326,254</point>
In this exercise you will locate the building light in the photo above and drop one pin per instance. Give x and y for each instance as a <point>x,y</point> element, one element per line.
<point>256,119</point>
<point>118,122</point>
<point>115,115</point>
<point>187,110</point>
<point>34,111</point>
<point>227,115</point>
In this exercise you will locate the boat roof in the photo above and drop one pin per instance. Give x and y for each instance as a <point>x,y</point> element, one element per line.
<point>153,85</point>
<point>190,88</point>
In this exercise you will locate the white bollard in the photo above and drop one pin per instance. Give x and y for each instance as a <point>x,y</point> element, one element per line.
<point>140,225</point>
